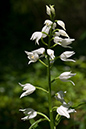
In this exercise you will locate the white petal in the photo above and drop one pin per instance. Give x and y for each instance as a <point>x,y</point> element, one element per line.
<point>61,23</point>
<point>29,89</point>
<point>63,33</point>
<point>27,86</point>
<point>60,96</point>
<point>57,39</point>
<point>48,22</point>
<point>71,110</point>
<point>45,29</point>
<point>54,26</point>
<point>29,112</point>
<point>39,51</point>
<point>48,11</point>
<point>52,9</point>
<point>50,52</point>
<point>36,36</point>
<point>63,111</point>
<point>33,57</point>
<point>57,34</point>
<point>27,92</point>
<point>67,41</point>
<point>66,75</point>
<point>66,55</point>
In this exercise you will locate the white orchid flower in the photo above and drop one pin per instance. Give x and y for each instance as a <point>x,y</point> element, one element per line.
<point>66,75</point>
<point>61,23</point>
<point>60,96</point>
<point>34,55</point>
<point>29,112</point>
<point>64,111</point>
<point>63,42</point>
<point>50,52</point>
<point>29,89</point>
<point>63,33</point>
<point>48,10</point>
<point>45,29</point>
<point>54,26</point>
<point>48,22</point>
<point>57,39</point>
<point>52,9</point>
<point>36,36</point>
<point>39,51</point>
<point>65,55</point>
<point>56,34</point>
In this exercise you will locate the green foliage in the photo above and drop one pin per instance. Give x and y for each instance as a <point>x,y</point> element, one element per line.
<point>10,92</point>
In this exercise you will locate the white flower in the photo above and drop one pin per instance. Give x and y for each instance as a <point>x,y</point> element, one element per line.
<point>51,54</point>
<point>48,22</point>
<point>63,33</point>
<point>48,10</point>
<point>57,39</point>
<point>39,51</point>
<point>64,111</point>
<point>29,89</point>
<point>65,55</point>
<point>45,29</point>
<point>66,75</point>
<point>36,36</point>
<point>54,26</point>
<point>52,9</point>
<point>60,96</point>
<point>29,112</point>
<point>34,55</point>
<point>61,23</point>
<point>63,42</point>
<point>56,34</point>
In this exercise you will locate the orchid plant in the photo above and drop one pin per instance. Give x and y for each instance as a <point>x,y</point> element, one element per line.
<point>55,37</point>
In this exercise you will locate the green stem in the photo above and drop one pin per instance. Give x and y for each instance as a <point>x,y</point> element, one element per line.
<point>43,42</point>
<point>49,96</point>
<point>39,88</point>
<point>49,84</point>
<point>54,79</point>
<point>43,116</point>
<point>42,63</point>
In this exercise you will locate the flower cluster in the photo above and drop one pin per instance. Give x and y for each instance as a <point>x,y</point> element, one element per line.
<point>55,37</point>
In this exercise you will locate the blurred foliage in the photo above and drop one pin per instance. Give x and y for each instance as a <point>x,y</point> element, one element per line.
<point>19,19</point>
